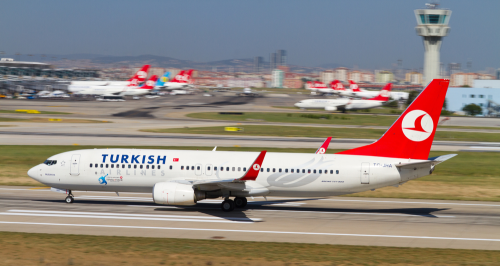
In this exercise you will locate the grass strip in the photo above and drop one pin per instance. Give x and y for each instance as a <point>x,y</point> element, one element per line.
<point>323,132</point>
<point>58,249</point>
<point>468,176</point>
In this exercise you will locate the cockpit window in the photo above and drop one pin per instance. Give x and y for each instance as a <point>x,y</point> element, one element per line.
<point>50,162</point>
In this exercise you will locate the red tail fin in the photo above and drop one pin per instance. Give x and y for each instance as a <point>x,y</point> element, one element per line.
<point>179,75</point>
<point>354,86</point>
<point>150,84</point>
<point>337,85</point>
<point>411,136</point>
<point>183,76</point>
<point>324,147</point>
<point>140,76</point>
<point>384,94</point>
<point>318,84</point>
<point>253,170</point>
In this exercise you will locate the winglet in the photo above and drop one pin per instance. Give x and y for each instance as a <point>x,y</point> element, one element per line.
<point>253,170</point>
<point>324,147</point>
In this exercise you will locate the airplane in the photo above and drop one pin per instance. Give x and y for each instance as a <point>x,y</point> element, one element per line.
<point>355,91</point>
<point>344,104</point>
<point>320,87</point>
<point>129,90</point>
<point>139,77</point>
<point>184,177</point>
<point>161,81</point>
<point>181,81</point>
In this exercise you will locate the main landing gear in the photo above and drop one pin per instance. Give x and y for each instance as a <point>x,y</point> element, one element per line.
<point>70,198</point>
<point>229,205</point>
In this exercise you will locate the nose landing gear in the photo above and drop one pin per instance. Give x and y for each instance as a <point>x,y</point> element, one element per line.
<point>229,205</point>
<point>70,198</point>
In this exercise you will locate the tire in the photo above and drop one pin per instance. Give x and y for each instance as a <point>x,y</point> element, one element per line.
<point>227,205</point>
<point>69,199</point>
<point>240,202</point>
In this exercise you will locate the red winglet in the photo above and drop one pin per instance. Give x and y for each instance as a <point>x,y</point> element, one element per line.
<point>254,169</point>
<point>324,147</point>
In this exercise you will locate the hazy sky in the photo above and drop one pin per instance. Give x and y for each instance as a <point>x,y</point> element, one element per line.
<point>365,33</point>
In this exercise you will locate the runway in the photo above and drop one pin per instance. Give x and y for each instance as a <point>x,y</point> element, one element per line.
<point>336,220</point>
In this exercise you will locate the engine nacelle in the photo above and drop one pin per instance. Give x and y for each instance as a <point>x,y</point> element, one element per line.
<point>330,108</point>
<point>170,193</point>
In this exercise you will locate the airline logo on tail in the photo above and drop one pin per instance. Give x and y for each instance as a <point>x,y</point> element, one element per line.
<point>384,94</point>
<point>183,76</point>
<point>417,125</point>
<point>150,83</point>
<point>336,85</point>
<point>354,86</point>
<point>140,76</point>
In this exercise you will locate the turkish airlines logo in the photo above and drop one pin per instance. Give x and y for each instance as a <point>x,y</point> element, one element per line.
<point>150,83</point>
<point>133,82</point>
<point>384,93</point>
<point>339,86</point>
<point>321,150</point>
<point>354,87</point>
<point>256,167</point>
<point>142,74</point>
<point>417,125</point>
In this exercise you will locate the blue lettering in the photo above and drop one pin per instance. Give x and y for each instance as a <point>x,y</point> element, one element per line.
<point>144,159</point>
<point>151,159</point>
<point>124,158</point>
<point>115,160</point>
<point>161,159</point>
<point>104,158</point>
<point>134,158</point>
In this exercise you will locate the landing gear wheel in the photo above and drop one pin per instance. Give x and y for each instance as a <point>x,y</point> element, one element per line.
<point>227,205</point>
<point>69,199</point>
<point>240,202</point>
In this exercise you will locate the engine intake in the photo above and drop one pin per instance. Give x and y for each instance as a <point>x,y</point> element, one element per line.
<point>170,193</point>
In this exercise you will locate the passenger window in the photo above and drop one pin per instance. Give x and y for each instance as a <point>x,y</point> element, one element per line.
<point>197,167</point>
<point>262,170</point>
<point>331,172</point>
<point>192,167</point>
<point>279,170</point>
<point>239,169</point>
<point>337,172</point>
<point>135,166</point>
<point>147,166</point>
<point>326,171</point>
<point>274,170</point>
<point>303,171</point>
<point>101,165</point>
<point>140,166</point>
<point>268,170</point>
<point>158,167</point>
<point>286,170</point>
<point>208,168</point>
<point>90,165</point>
<point>215,168</point>
<point>314,171</point>
<point>95,165</point>
<point>152,167</point>
<point>182,167</point>
<point>123,166</point>
<point>227,168</point>
<point>222,168</point>
<point>129,166</point>
<point>170,167</point>
<point>291,170</point>
<point>244,169</point>
<point>320,171</point>
<point>106,165</point>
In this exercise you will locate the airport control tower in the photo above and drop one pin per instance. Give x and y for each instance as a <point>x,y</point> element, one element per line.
<point>432,25</point>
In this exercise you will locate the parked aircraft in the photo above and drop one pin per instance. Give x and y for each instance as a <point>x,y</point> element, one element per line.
<point>139,77</point>
<point>344,104</point>
<point>318,87</point>
<point>183,177</point>
<point>162,80</point>
<point>355,91</point>
<point>129,90</point>
<point>180,81</point>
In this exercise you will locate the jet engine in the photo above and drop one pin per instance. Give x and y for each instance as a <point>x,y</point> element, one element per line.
<point>330,108</point>
<point>170,193</point>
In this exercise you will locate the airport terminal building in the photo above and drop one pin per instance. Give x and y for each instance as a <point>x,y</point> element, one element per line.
<point>485,93</point>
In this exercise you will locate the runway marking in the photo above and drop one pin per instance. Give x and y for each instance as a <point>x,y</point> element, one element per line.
<point>415,202</point>
<point>253,231</point>
<point>360,213</point>
<point>114,198</point>
<point>130,216</point>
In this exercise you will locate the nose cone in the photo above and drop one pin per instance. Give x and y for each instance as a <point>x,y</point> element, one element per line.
<point>33,172</point>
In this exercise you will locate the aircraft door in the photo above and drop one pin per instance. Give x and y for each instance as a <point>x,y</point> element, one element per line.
<point>208,169</point>
<point>197,169</point>
<point>365,173</point>
<point>75,164</point>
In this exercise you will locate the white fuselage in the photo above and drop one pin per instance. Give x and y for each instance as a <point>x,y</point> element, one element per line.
<point>348,104</point>
<point>114,90</point>
<point>77,86</point>
<point>175,85</point>
<point>284,174</point>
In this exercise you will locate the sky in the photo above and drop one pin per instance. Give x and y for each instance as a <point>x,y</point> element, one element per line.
<point>365,34</point>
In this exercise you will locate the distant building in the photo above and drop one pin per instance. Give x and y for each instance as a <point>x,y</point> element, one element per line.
<point>467,79</point>
<point>486,84</point>
<point>355,76</point>
<point>281,58</point>
<point>293,83</point>
<point>273,61</point>
<point>258,61</point>
<point>414,77</point>
<point>342,73</point>
<point>454,68</point>
<point>486,98</point>
<point>327,76</point>
<point>384,76</point>
<point>277,78</point>
<point>367,77</point>
<point>498,73</point>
